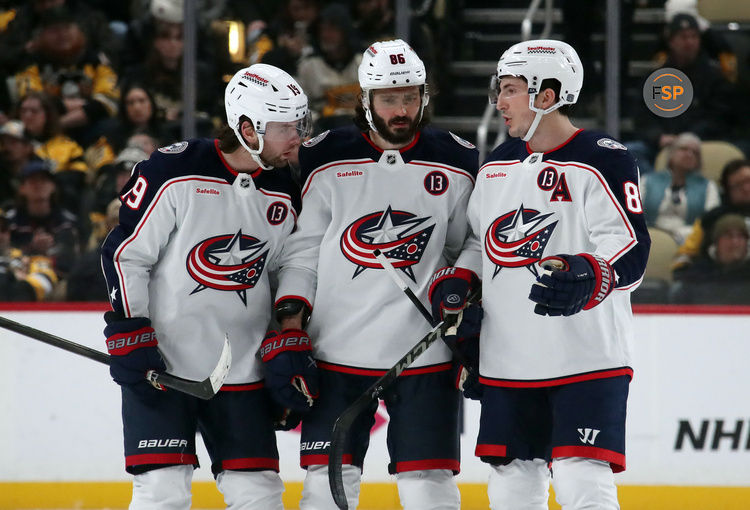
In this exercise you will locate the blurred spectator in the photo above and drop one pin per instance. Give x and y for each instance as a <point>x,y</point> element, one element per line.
<point>137,113</point>
<point>329,76</point>
<point>711,111</point>
<point>675,197</point>
<point>722,275</point>
<point>161,73</point>
<point>41,122</point>
<point>19,39</point>
<point>38,225</point>
<point>68,69</point>
<point>146,142</point>
<point>715,44</point>
<point>86,280</point>
<point>290,34</point>
<point>110,181</point>
<point>16,149</point>
<point>735,186</point>
<point>23,278</point>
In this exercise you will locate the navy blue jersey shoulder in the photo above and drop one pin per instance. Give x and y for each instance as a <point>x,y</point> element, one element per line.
<point>334,145</point>
<point>599,150</point>
<point>280,180</point>
<point>513,149</point>
<point>439,146</point>
<point>193,157</point>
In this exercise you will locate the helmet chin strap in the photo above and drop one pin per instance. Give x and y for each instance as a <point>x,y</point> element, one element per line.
<point>254,153</point>
<point>538,117</point>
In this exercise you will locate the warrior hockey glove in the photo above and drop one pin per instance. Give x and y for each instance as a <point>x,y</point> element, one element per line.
<point>448,290</point>
<point>291,372</point>
<point>571,283</point>
<point>133,348</point>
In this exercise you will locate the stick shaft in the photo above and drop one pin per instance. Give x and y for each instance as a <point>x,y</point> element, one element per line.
<point>55,341</point>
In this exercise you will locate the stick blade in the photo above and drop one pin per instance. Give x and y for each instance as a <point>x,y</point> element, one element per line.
<point>204,389</point>
<point>221,370</point>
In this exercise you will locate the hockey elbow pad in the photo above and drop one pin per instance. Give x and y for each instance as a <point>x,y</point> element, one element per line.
<point>290,371</point>
<point>571,283</point>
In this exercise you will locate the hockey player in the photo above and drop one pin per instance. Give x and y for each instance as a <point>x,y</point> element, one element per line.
<point>559,240</point>
<point>393,184</point>
<point>201,226</point>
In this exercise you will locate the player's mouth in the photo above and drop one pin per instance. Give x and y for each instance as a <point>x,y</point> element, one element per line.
<point>399,123</point>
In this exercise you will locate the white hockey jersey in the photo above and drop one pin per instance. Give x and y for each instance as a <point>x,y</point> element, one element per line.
<point>410,204</point>
<point>193,251</point>
<point>581,197</point>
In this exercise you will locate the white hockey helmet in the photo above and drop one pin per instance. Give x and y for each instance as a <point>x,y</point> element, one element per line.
<point>391,64</point>
<point>264,93</point>
<point>536,61</point>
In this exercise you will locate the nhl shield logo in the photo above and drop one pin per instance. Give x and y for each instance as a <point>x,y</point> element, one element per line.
<point>390,159</point>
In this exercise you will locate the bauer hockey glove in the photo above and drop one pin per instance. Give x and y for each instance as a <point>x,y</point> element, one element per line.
<point>291,372</point>
<point>571,283</point>
<point>449,288</point>
<point>132,346</point>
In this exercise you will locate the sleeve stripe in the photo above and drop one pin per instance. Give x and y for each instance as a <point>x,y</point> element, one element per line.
<point>139,226</point>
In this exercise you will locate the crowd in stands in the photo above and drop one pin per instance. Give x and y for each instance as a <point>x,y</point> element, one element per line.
<point>88,88</point>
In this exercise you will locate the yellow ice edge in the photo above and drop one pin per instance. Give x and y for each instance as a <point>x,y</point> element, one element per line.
<point>374,496</point>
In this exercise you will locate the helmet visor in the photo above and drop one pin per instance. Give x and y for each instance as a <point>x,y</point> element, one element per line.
<point>285,131</point>
<point>493,89</point>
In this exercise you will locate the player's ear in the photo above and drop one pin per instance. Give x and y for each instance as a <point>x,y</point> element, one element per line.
<point>247,130</point>
<point>545,98</point>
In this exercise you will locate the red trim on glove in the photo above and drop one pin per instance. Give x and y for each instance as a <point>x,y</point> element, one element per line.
<point>287,340</point>
<point>450,272</point>
<point>125,343</point>
<point>605,279</point>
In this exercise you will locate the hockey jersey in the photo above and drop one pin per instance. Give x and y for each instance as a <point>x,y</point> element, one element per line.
<point>581,197</point>
<point>193,251</point>
<point>410,204</point>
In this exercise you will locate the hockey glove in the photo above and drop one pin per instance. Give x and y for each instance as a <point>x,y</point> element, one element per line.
<point>571,283</point>
<point>467,378</point>
<point>448,290</point>
<point>133,348</point>
<point>291,372</point>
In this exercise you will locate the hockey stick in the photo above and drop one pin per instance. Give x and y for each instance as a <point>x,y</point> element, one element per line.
<point>202,389</point>
<point>391,271</point>
<point>346,419</point>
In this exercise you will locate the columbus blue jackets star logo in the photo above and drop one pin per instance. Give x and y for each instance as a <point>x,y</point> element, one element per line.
<point>518,239</point>
<point>395,233</point>
<point>229,262</point>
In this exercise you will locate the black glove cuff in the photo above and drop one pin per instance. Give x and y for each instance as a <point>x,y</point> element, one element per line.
<point>290,307</point>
